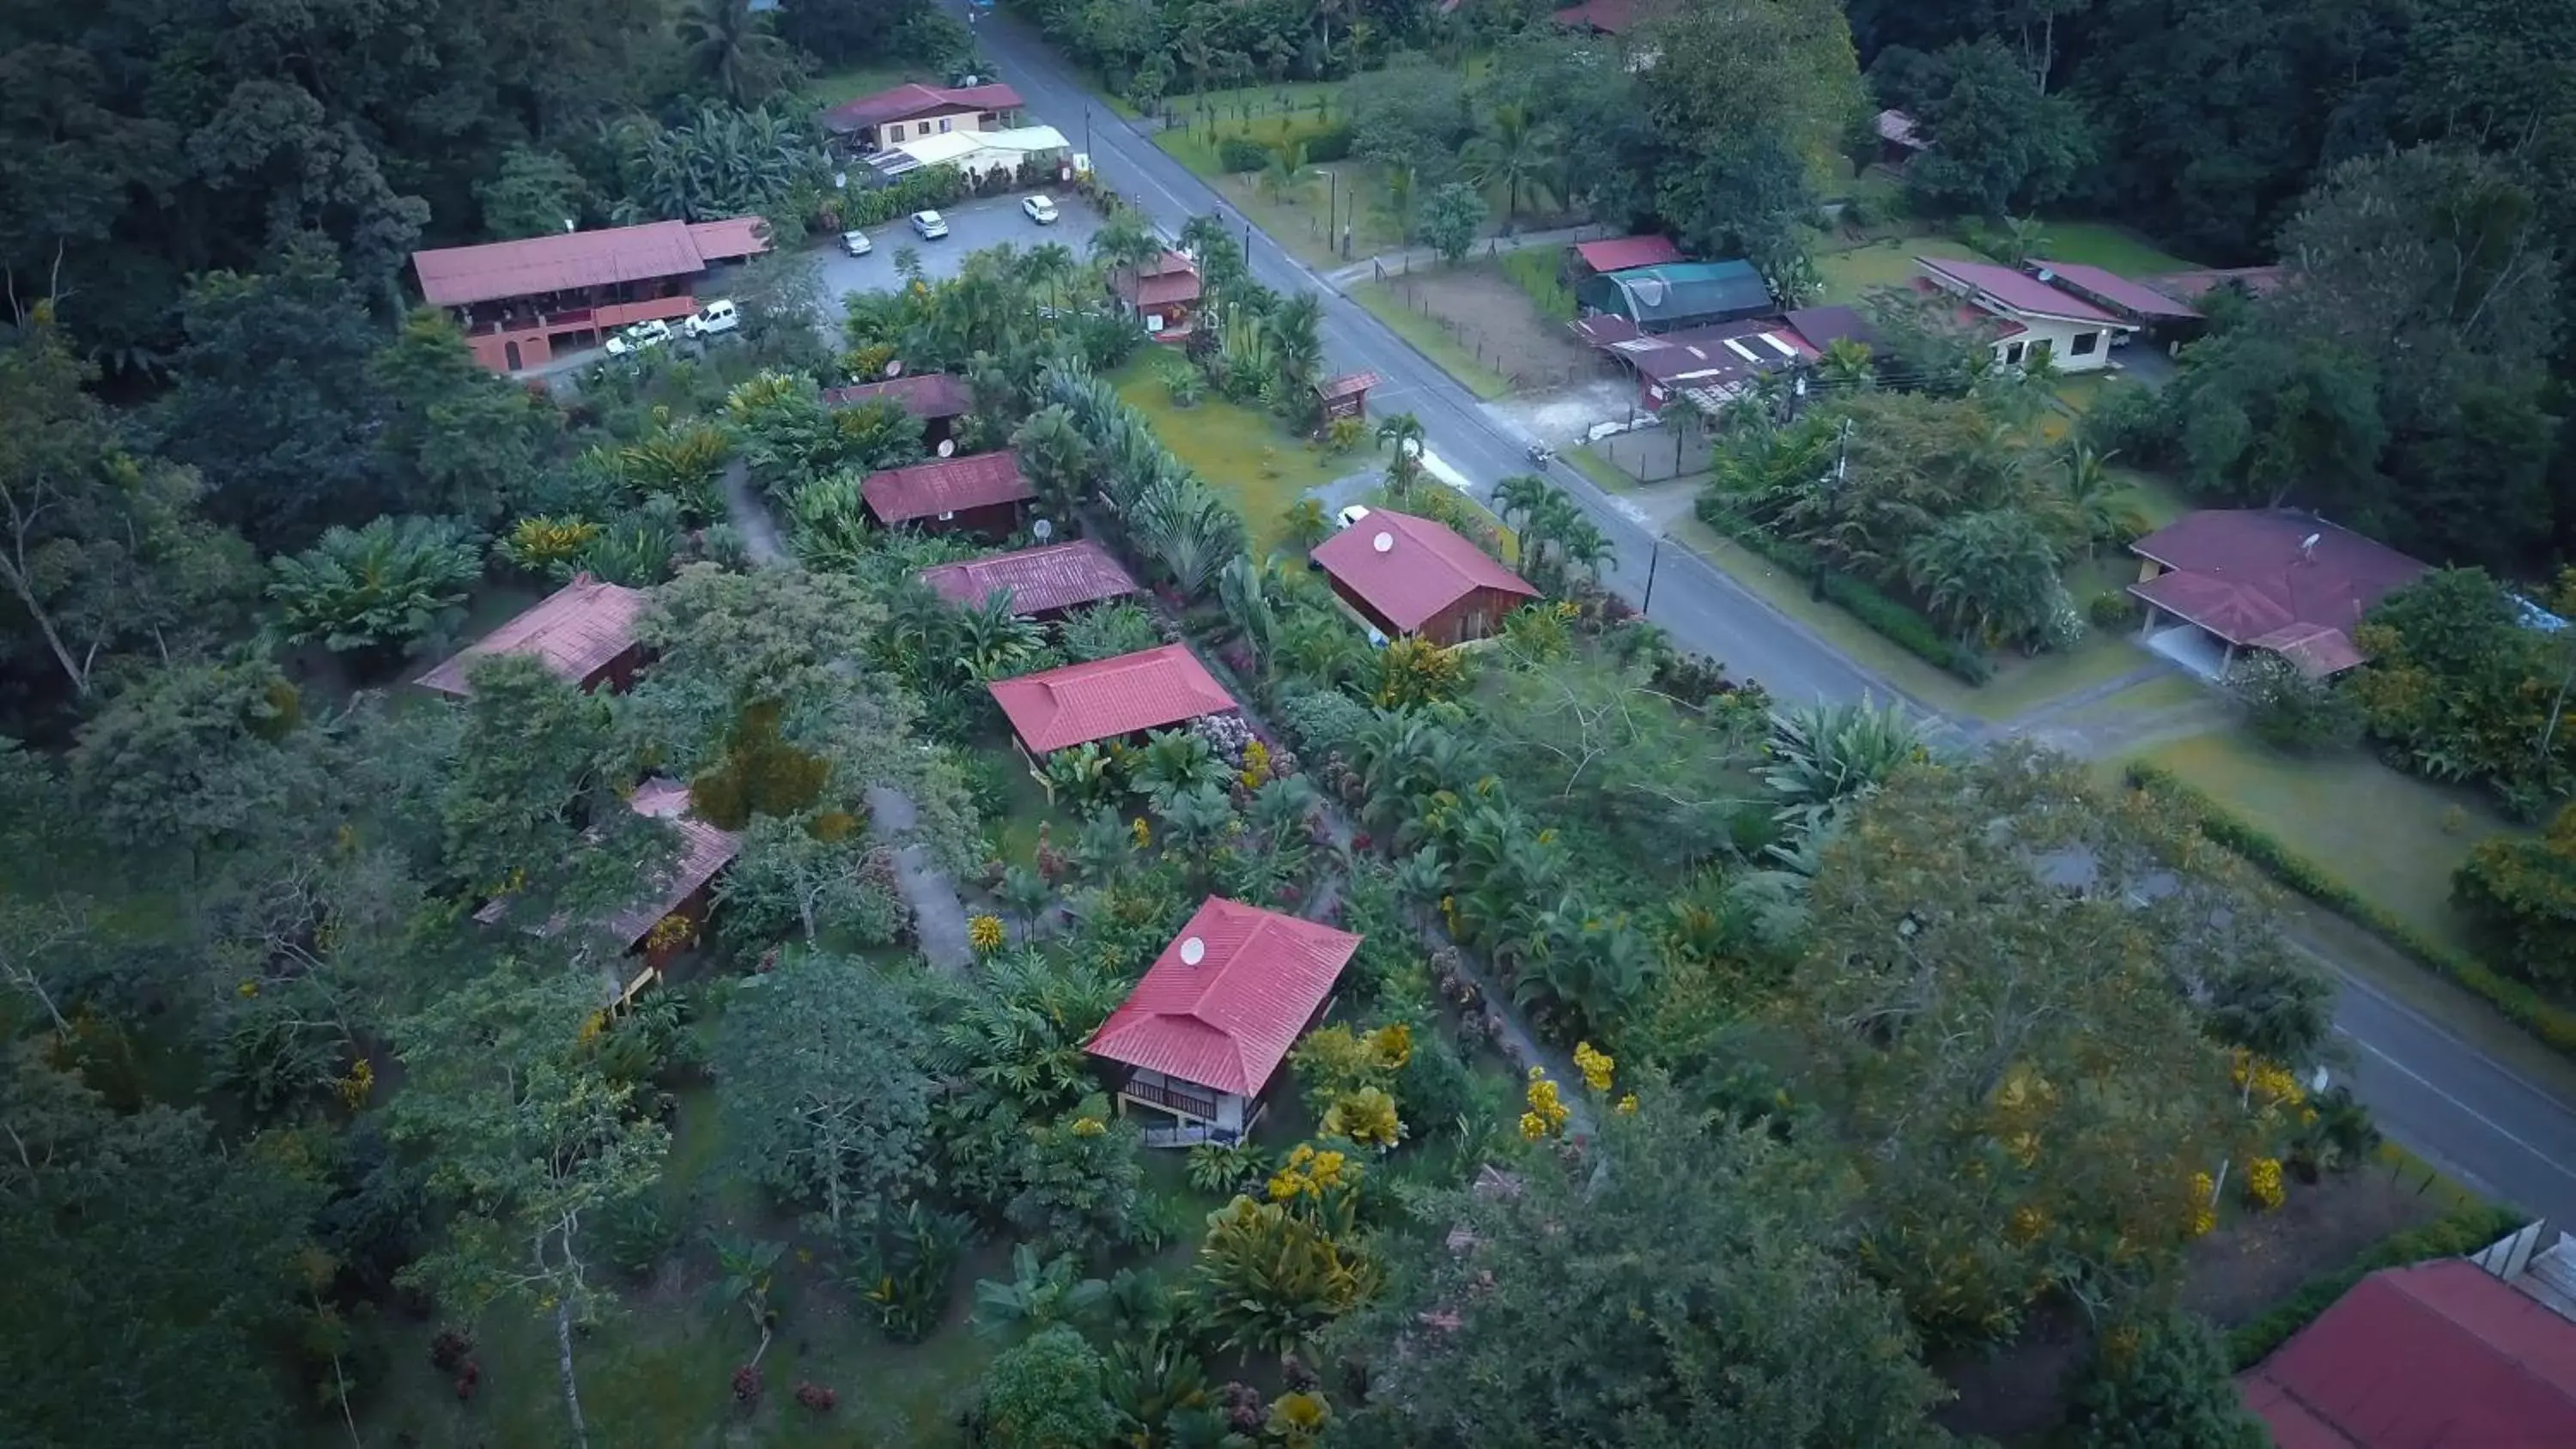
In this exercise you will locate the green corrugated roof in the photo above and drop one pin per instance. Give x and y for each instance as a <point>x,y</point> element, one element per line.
<point>1680,291</point>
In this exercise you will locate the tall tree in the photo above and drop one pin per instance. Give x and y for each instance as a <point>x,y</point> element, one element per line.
<point>1678,1285</point>
<point>732,48</point>
<point>531,1138</point>
<point>1746,97</point>
<point>818,1075</point>
<point>1996,142</point>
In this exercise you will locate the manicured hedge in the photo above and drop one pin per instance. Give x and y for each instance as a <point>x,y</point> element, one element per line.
<point>1239,154</point>
<point>1901,625</point>
<point>2465,1230</point>
<point>2553,1024</point>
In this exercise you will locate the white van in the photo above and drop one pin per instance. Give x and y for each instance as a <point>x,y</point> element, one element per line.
<point>717,316</point>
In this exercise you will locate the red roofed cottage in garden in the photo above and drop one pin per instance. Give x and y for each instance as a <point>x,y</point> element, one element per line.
<point>583,633</point>
<point>1109,699</point>
<point>1409,575</point>
<point>1206,1030</point>
<point>2226,579</point>
<point>907,112</point>
<point>2025,314</point>
<point>981,493</point>
<point>1041,583</point>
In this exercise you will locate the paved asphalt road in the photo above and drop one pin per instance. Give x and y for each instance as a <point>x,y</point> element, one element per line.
<point>2497,1129</point>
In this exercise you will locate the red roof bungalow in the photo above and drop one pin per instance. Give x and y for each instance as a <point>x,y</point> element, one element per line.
<point>1109,699</point>
<point>519,301</point>
<point>583,632</point>
<point>1162,293</point>
<point>1409,575</point>
<point>667,918</point>
<point>1042,583</point>
<point>937,398</point>
<point>2442,1355</point>
<point>2225,579</point>
<point>1206,1030</point>
<point>981,493</point>
<point>2031,315</point>
<point>908,112</point>
<point>1617,254</point>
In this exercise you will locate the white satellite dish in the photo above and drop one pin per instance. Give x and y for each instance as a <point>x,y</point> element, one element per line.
<point>1383,543</point>
<point>894,367</point>
<point>947,447</point>
<point>1042,530</point>
<point>1193,951</point>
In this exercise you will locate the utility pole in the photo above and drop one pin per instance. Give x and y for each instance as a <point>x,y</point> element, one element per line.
<point>1833,500</point>
<point>1646,605</point>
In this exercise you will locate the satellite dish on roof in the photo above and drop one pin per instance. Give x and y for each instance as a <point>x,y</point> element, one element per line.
<point>947,447</point>
<point>894,367</point>
<point>1383,543</point>
<point>1193,950</point>
<point>1042,530</point>
<point>2046,274</point>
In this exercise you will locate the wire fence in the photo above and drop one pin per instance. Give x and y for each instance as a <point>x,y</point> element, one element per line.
<point>1520,356</point>
<point>1659,454</point>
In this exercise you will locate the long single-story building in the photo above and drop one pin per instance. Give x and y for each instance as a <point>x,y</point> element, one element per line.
<point>977,153</point>
<point>910,112</point>
<point>2157,316</point>
<point>1109,699</point>
<point>1411,575</point>
<point>522,301</point>
<point>1041,583</point>
<point>583,633</point>
<point>1203,1035</point>
<point>981,493</point>
<point>2025,316</point>
<point>2226,579</point>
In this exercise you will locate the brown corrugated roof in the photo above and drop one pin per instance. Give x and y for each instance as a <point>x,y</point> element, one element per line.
<point>2240,574</point>
<point>1226,1020</point>
<point>2108,287</point>
<point>903,102</point>
<point>731,238</point>
<point>1424,568</point>
<point>574,632</point>
<point>1106,698</point>
<point>1038,580</point>
<point>924,394</point>
<point>533,266</point>
<point>1349,384</point>
<point>704,850</point>
<point>948,485</point>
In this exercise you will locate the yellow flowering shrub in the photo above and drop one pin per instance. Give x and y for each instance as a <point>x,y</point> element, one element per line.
<point>358,1085</point>
<point>1547,1114</point>
<point>2263,1185</point>
<point>1594,1065</point>
<point>986,935</point>
<point>2204,1203</point>
<point>1310,1173</point>
<point>671,932</point>
<point>1391,1045</point>
<point>1367,1117</point>
<point>1256,765</point>
<point>1627,1105</point>
<point>2028,1222</point>
<point>1089,1127</point>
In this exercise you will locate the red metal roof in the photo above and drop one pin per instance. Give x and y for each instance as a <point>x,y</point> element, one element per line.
<point>1167,279</point>
<point>1039,580</point>
<point>1227,1021</point>
<point>923,394</point>
<point>1104,699</point>
<point>533,266</point>
<point>704,850</point>
<point>731,238</point>
<point>948,485</point>
<point>1714,356</point>
<point>1423,568</point>
<point>1349,384</point>
<point>1616,253</point>
<point>2015,290</point>
<point>903,102</point>
<point>2241,574</point>
<point>574,631</point>
<point>1610,17</point>
<point>2437,1356</point>
<point>2116,290</point>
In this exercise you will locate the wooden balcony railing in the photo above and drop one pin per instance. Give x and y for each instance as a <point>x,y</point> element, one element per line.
<point>1202,1105</point>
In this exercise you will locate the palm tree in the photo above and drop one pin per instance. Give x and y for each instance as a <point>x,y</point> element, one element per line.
<point>1287,163</point>
<point>1519,496</point>
<point>1056,458</point>
<point>1125,241</point>
<point>1401,434</point>
<point>729,44</point>
<point>1582,546</point>
<point>1513,158</point>
<point>2024,237</point>
<point>1297,342</point>
<point>992,642</point>
<point>1403,189</point>
<point>2097,505</point>
<point>1845,367</point>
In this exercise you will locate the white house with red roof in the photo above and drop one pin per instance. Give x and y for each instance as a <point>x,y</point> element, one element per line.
<point>1204,1033</point>
<point>2025,314</point>
<point>911,111</point>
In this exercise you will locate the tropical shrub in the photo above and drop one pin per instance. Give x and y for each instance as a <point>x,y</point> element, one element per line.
<point>2162,1383</point>
<point>2522,894</point>
<point>1240,154</point>
<point>378,587</point>
<point>2291,710</point>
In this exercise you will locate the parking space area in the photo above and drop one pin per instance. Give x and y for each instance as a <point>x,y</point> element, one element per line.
<point>972,226</point>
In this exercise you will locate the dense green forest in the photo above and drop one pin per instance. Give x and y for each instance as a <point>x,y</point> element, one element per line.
<point>1708,1072</point>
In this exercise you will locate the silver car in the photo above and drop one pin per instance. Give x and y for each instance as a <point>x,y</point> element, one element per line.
<point>930,224</point>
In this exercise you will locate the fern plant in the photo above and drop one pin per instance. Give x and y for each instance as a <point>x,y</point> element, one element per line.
<point>375,588</point>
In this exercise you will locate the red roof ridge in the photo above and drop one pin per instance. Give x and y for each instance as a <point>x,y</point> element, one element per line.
<point>1227,1019</point>
<point>2018,290</point>
<point>1039,580</point>
<point>946,485</point>
<point>1411,585</point>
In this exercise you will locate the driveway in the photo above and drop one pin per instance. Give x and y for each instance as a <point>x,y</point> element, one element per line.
<point>972,226</point>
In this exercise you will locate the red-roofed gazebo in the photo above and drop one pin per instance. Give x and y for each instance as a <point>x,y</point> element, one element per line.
<point>1410,575</point>
<point>1207,1028</point>
<point>1109,699</point>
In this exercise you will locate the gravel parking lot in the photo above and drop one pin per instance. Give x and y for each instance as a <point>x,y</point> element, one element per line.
<point>972,226</point>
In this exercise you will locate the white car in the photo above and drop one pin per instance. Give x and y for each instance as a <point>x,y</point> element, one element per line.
<point>1040,208</point>
<point>856,243</point>
<point>716,317</point>
<point>1350,516</point>
<point>638,337</point>
<point>930,224</point>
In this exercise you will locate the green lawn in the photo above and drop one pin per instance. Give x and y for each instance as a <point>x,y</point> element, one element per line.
<point>1853,271</point>
<point>2376,830</point>
<point>2111,247</point>
<point>2157,496</point>
<point>1432,339</point>
<point>833,87</point>
<point>1308,216</point>
<point>1242,452</point>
